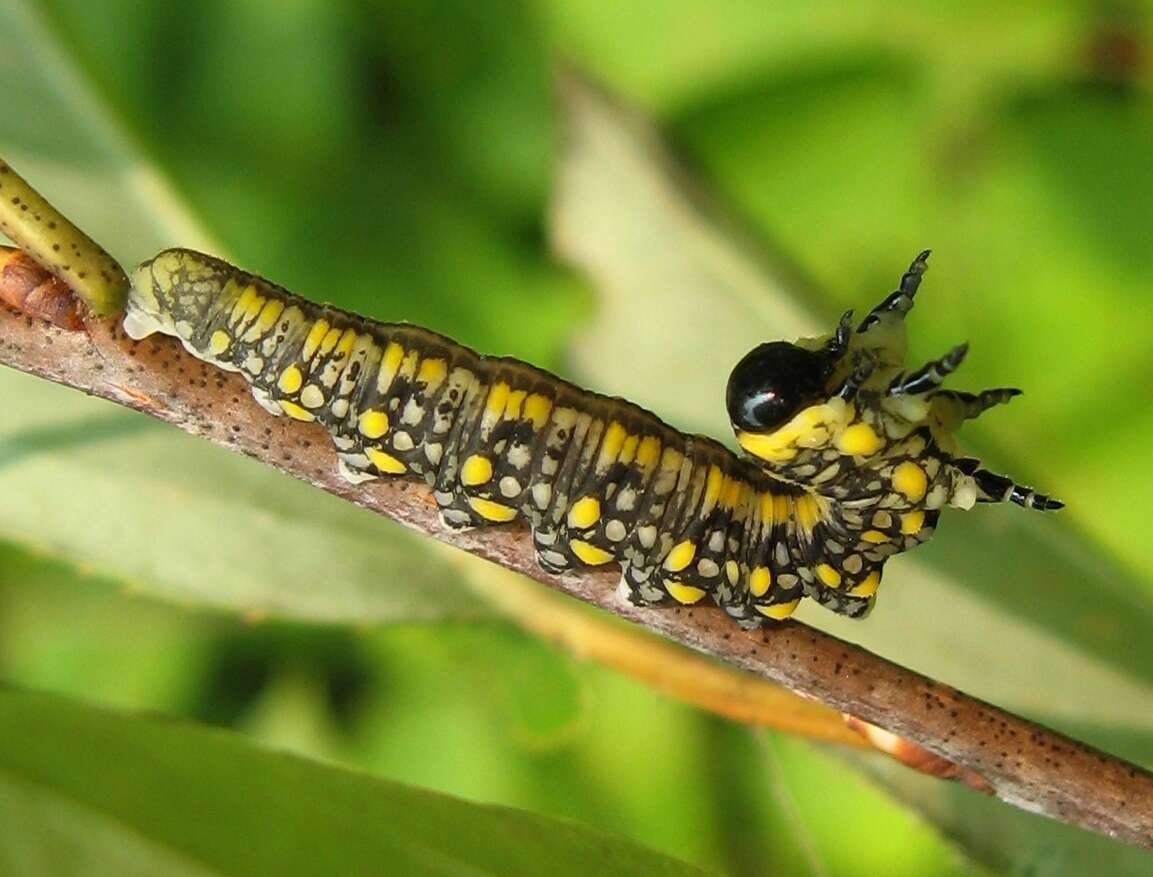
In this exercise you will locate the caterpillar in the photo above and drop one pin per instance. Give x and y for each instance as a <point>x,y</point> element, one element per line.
<point>849,458</point>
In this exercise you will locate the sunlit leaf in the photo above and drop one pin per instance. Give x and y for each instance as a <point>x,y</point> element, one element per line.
<point>108,490</point>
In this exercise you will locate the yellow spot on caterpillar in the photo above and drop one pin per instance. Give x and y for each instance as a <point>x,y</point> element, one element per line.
<point>477,469</point>
<point>614,438</point>
<point>859,439</point>
<point>759,581</point>
<point>296,412</point>
<point>912,522</point>
<point>876,537</point>
<point>768,507</point>
<point>330,340</point>
<point>432,373</point>
<point>808,429</point>
<point>780,511</point>
<point>713,485</point>
<point>867,586</point>
<point>315,336</point>
<point>537,409</point>
<point>671,462</point>
<point>732,571</point>
<point>386,463</point>
<point>589,554</point>
<point>372,424</point>
<point>731,494</point>
<point>778,611</point>
<point>243,303</point>
<point>389,365</point>
<point>346,341</point>
<point>290,380</point>
<point>681,556</point>
<point>773,447</point>
<point>311,396</point>
<point>255,306</point>
<point>629,451</point>
<point>648,452</point>
<point>512,406</point>
<point>265,320</point>
<point>828,575</point>
<point>219,342</point>
<point>492,511</point>
<point>910,479</point>
<point>408,365</point>
<point>682,593</point>
<point>585,512</point>
<point>497,399</point>
<point>808,512</point>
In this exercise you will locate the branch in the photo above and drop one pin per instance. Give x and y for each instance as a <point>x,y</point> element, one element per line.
<point>1021,762</point>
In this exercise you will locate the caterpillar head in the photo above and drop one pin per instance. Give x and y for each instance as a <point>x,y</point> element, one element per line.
<point>843,418</point>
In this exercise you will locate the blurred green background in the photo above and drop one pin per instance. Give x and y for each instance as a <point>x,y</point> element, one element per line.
<point>397,157</point>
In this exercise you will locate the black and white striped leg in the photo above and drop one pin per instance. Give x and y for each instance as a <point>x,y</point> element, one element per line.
<point>900,301</point>
<point>992,487</point>
<point>929,376</point>
<point>974,404</point>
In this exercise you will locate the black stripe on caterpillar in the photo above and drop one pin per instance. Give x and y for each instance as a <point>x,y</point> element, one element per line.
<point>827,497</point>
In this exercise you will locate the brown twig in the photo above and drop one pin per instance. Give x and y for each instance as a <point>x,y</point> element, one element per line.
<point>1022,762</point>
<point>687,676</point>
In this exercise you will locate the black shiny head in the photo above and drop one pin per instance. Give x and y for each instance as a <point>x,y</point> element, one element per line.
<point>775,381</point>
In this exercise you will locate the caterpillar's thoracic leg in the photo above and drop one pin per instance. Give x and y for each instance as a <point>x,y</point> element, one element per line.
<point>971,405</point>
<point>900,301</point>
<point>929,376</point>
<point>992,487</point>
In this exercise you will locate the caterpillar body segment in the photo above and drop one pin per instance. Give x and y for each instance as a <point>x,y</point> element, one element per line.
<point>834,483</point>
<point>598,480</point>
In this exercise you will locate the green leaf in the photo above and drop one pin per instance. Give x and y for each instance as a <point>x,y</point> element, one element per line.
<point>111,491</point>
<point>1002,603</point>
<point>176,517</point>
<point>151,795</point>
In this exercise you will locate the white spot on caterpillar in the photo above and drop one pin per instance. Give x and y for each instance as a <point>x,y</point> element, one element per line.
<point>311,396</point>
<point>261,396</point>
<point>402,441</point>
<point>519,456</point>
<point>541,494</point>
<point>554,559</point>
<point>353,476</point>
<point>623,589</point>
<point>615,530</point>
<point>509,486</point>
<point>627,500</point>
<point>413,413</point>
<point>138,324</point>
<point>647,535</point>
<point>433,452</point>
